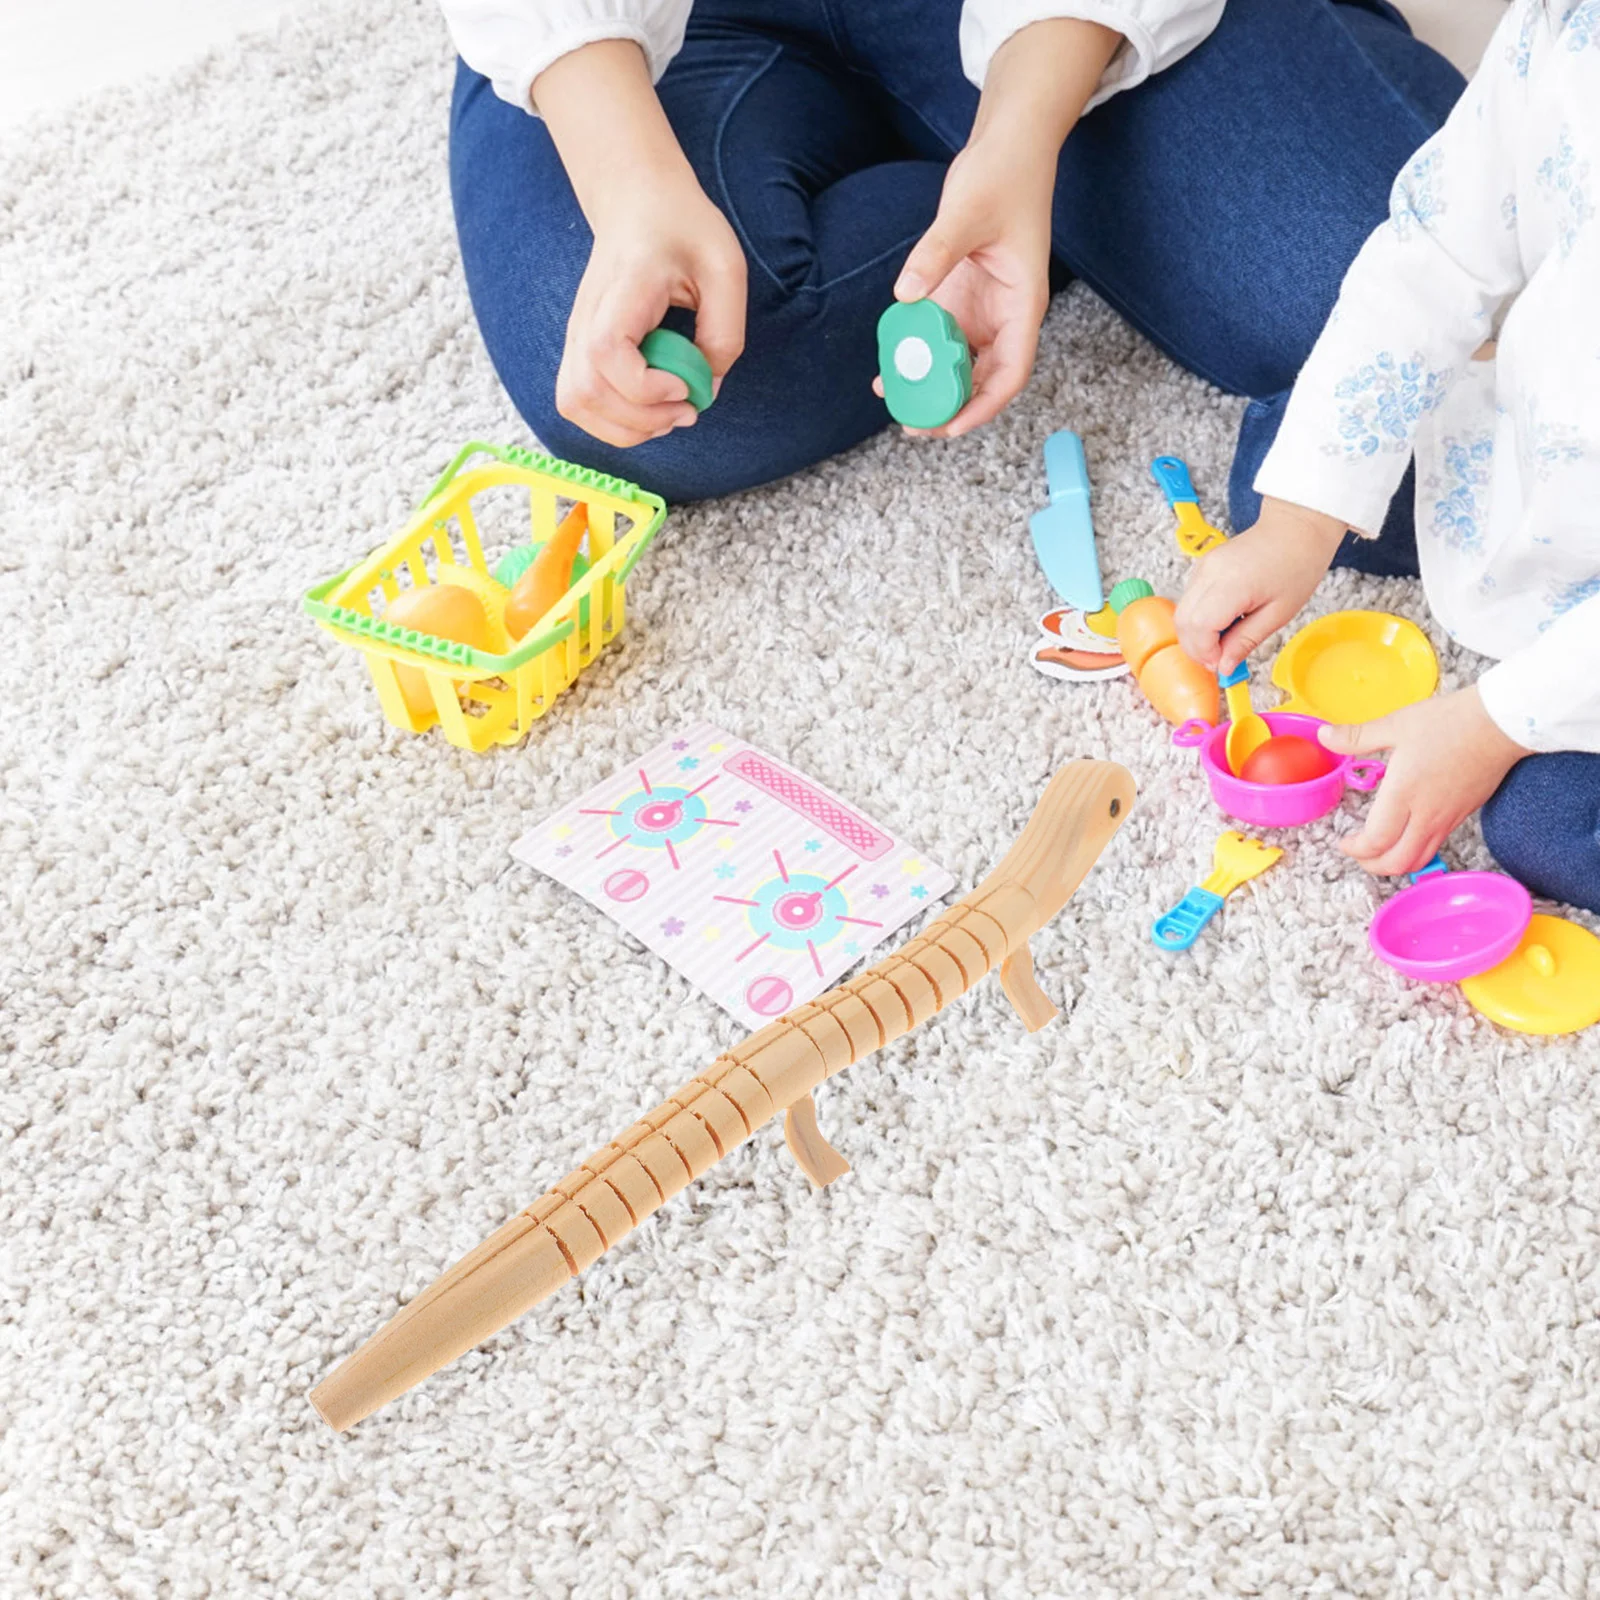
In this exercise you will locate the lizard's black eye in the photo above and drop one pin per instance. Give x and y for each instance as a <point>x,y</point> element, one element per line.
<point>1116,808</point>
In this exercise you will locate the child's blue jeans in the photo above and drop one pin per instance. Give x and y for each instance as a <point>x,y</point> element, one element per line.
<point>1215,206</point>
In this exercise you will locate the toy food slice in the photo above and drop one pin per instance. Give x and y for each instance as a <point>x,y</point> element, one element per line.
<point>1077,666</point>
<point>924,363</point>
<point>1355,666</point>
<point>1549,984</point>
<point>669,351</point>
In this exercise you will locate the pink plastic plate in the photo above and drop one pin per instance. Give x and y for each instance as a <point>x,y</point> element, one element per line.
<point>1452,925</point>
<point>1275,805</point>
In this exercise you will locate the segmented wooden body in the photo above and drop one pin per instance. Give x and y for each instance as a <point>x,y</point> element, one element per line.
<point>612,1192</point>
<point>616,1188</point>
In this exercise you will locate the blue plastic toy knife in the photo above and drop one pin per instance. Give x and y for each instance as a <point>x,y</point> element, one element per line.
<point>1063,533</point>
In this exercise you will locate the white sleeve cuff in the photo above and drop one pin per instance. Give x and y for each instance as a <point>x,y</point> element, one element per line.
<point>1156,33</point>
<point>1547,697</point>
<point>511,43</point>
<point>1304,477</point>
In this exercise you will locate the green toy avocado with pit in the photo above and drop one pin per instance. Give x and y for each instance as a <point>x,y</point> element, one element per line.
<point>924,363</point>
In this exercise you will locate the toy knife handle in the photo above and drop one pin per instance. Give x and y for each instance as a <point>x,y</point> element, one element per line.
<point>1066,470</point>
<point>1173,476</point>
<point>1231,680</point>
<point>1428,869</point>
<point>1181,926</point>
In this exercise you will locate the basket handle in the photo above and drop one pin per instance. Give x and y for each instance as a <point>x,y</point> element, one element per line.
<point>465,454</point>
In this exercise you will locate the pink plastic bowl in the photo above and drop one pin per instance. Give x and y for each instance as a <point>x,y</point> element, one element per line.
<point>1276,805</point>
<point>1452,925</point>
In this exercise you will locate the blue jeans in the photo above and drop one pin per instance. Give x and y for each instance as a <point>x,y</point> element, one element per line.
<point>1216,206</point>
<point>1543,823</point>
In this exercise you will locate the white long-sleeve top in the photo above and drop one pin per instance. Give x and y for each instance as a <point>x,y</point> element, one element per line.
<point>512,41</point>
<point>1498,207</point>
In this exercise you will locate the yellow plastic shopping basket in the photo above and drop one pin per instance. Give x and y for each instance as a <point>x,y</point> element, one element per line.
<point>484,697</point>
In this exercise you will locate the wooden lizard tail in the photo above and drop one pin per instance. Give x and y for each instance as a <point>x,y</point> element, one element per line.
<point>774,1070</point>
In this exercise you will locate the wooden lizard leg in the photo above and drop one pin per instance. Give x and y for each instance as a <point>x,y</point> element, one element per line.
<point>820,1162</point>
<point>1022,989</point>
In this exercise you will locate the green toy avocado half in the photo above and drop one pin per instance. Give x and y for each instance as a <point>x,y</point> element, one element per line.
<point>924,363</point>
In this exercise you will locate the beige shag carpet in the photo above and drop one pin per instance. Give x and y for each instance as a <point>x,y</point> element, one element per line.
<point>1261,1273</point>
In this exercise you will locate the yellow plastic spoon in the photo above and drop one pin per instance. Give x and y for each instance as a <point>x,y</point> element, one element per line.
<point>1246,731</point>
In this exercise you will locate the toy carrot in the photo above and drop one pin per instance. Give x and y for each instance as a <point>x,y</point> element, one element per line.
<point>550,575</point>
<point>773,1070</point>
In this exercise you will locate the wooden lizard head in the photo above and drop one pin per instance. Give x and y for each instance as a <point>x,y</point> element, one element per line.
<point>1081,807</point>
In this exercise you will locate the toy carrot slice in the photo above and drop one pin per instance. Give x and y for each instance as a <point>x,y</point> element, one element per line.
<point>550,575</point>
<point>774,1070</point>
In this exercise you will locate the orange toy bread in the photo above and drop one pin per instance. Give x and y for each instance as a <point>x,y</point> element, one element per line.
<point>1177,687</point>
<point>547,579</point>
<point>445,610</point>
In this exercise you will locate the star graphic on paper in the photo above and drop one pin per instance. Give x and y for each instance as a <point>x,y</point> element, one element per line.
<point>813,845</point>
<point>918,892</point>
<point>563,849</point>
<point>911,866</point>
<point>680,744</point>
<point>716,749</point>
<point>562,830</point>
<point>852,949</point>
<point>713,934</point>
<point>688,764</point>
<point>725,871</point>
<point>725,842</point>
<point>742,805</point>
<point>880,891</point>
<point>672,927</point>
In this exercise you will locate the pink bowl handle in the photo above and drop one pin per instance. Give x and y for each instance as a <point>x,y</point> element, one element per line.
<point>1189,734</point>
<point>1365,775</point>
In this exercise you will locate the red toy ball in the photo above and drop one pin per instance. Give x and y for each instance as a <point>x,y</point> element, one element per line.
<point>1287,758</point>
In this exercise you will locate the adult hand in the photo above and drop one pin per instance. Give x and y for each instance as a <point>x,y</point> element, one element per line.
<point>1240,594</point>
<point>658,242</point>
<point>1447,756</point>
<point>661,247</point>
<point>986,259</point>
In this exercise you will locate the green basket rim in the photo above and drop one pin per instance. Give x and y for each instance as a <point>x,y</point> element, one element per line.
<point>481,662</point>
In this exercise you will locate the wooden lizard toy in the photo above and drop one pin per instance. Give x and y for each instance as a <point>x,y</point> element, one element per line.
<point>773,1070</point>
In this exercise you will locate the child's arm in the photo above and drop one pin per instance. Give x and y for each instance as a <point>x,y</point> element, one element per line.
<point>1040,64</point>
<point>659,241</point>
<point>1417,302</point>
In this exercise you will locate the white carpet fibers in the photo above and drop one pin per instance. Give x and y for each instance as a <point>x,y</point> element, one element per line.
<point>1261,1273</point>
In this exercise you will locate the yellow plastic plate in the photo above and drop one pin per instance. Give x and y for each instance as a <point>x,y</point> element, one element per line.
<point>1549,984</point>
<point>1353,666</point>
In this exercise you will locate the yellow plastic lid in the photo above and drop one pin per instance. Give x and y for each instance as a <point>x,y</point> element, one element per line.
<point>1549,984</point>
<point>1355,666</point>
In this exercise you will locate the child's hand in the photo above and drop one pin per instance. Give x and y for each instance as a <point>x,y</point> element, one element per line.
<point>986,260</point>
<point>1447,757</point>
<point>1245,590</point>
<point>654,247</point>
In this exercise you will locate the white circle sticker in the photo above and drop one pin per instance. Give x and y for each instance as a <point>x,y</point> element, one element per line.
<point>913,360</point>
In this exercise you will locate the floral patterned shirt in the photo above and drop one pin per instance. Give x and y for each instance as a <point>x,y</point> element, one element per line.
<point>1495,215</point>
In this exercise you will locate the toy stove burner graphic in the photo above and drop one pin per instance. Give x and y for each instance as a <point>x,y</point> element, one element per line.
<point>659,818</point>
<point>798,911</point>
